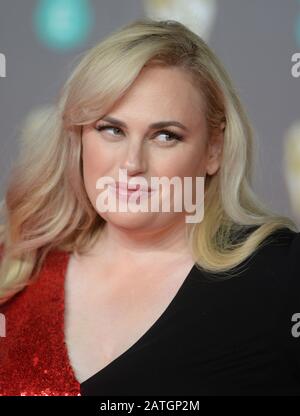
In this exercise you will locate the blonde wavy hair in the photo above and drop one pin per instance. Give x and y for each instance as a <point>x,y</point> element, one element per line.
<point>46,205</point>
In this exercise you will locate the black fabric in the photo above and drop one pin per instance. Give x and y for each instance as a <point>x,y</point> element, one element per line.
<point>230,337</point>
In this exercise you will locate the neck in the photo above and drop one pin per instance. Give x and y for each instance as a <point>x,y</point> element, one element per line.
<point>142,245</point>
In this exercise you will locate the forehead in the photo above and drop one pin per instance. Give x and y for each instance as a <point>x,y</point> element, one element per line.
<point>161,91</point>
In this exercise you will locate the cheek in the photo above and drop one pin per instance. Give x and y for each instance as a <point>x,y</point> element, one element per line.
<point>184,164</point>
<point>187,166</point>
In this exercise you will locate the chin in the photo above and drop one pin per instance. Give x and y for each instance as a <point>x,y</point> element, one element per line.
<point>129,219</point>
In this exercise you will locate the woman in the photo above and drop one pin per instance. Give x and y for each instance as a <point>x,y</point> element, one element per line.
<point>130,303</point>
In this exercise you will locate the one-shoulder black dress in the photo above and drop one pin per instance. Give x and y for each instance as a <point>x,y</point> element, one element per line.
<point>233,336</point>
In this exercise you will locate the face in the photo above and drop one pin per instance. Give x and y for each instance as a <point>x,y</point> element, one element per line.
<point>158,94</point>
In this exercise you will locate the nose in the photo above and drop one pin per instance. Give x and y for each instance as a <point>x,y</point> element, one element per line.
<point>134,162</point>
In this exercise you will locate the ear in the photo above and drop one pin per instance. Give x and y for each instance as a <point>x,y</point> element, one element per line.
<point>214,150</point>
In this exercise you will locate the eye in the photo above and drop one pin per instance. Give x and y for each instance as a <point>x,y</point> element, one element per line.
<point>100,128</point>
<point>173,136</point>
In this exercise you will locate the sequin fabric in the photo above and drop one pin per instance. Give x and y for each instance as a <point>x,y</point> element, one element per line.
<point>33,355</point>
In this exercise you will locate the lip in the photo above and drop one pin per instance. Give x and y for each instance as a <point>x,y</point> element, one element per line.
<point>125,194</point>
<point>123,187</point>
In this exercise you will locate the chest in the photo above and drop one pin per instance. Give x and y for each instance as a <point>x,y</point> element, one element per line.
<point>106,314</point>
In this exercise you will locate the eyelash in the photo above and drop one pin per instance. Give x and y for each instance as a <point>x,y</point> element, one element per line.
<point>173,135</point>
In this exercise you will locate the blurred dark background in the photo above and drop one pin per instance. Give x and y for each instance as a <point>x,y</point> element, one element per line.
<point>255,40</point>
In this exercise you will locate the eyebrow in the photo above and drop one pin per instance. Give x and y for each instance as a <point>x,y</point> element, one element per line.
<point>157,125</point>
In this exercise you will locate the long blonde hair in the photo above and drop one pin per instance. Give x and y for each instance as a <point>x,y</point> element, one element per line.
<point>46,206</point>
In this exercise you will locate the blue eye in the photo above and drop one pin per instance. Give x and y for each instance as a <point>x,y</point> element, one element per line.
<point>100,128</point>
<point>173,136</point>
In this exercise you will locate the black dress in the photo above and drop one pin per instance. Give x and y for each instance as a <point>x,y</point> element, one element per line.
<point>239,336</point>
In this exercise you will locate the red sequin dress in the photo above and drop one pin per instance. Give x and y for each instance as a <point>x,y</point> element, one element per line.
<point>33,355</point>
